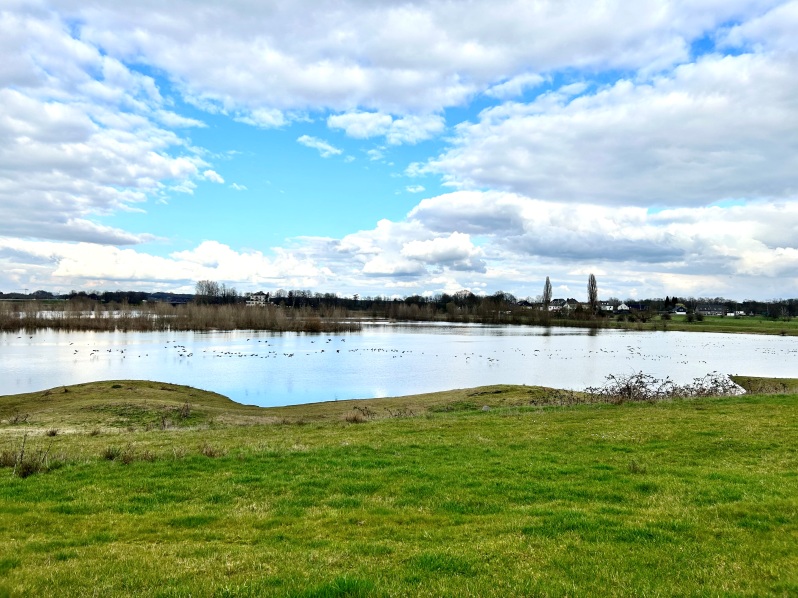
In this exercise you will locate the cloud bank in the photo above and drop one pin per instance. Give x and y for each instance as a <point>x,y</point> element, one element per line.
<point>654,143</point>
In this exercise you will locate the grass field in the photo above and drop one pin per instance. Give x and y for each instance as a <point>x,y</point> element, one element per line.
<point>742,325</point>
<point>154,489</point>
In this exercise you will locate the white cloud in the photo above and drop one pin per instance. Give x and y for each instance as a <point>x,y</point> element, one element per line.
<point>408,129</point>
<point>375,154</point>
<point>265,118</point>
<point>325,149</point>
<point>477,240</point>
<point>81,135</point>
<point>361,125</point>
<point>237,187</point>
<point>213,177</point>
<point>514,87</point>
<point>455,251</point>
<point>389,266</point>
<point>774,30</point>
<point>412,129</point>
<point>90,265</point>
<point>722,128</point>
<point>566,182</point>
<point>413,57</point>
<point>754,240</point>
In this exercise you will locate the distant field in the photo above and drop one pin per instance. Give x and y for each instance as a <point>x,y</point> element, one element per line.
<point>155,489</point>
<point>741,325</point>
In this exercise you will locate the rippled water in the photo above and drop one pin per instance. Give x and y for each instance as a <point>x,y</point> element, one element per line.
<point>382,360</point>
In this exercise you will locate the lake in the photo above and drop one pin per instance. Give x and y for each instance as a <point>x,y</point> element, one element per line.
<point>384,359</point>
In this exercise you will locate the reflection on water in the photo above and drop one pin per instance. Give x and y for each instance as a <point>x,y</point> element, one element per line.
<point>383,360</point>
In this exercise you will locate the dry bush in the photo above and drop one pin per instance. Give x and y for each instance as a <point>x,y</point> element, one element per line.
<point>128,455</point>
<point>355,417</point>
<point>645,387</point>
<point>19,418</point>
<point>7,458</point>
<point>27,461</point>
<point>400,412</point>
<point>365,411</point>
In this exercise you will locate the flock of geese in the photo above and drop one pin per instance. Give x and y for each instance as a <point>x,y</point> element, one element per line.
<point>272,351</point>
<point>273,348</point>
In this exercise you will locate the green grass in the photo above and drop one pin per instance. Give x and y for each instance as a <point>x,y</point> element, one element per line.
<point>721,324</point>
<point>692,498</point>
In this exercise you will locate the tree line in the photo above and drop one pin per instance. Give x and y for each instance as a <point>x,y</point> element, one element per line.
<point>462,304</point>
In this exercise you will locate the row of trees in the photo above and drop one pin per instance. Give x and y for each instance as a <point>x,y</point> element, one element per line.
<point>210,292</point>
<point>463,302</point>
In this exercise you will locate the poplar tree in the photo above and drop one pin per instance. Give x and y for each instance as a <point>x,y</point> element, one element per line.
<point>592,292</point>
<point>547,293</point>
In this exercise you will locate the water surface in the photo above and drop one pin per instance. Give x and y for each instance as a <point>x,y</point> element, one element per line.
<point>268,369</point>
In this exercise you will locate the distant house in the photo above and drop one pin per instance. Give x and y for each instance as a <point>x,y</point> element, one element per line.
<point>258,299</point>
<point>711,309</point>
<point>571,304</point>
<point>679,310</point>
<point>606,306</point>
<point>623,308</point>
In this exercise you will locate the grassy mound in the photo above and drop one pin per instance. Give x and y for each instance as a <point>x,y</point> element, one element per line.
<point>757,385</point>
<point>118,404</point>
<point>683,497</point>
<point>140,404</point>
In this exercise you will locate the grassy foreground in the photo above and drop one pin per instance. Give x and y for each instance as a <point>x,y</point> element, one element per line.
<point>154,489</point>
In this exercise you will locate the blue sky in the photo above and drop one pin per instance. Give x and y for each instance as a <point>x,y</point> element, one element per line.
<point>392,149</point>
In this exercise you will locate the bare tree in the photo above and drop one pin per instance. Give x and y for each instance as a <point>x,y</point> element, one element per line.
<point>210,291</point>
<point>592,292</point>
<point>207,291</point>
<point>547,294</point>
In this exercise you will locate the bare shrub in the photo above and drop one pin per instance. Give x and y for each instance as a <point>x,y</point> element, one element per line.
<point>25,461</point>
<point>7,458</point>
<point>185,410</point>
<point>52,432</point>
<point>19,418</point>
<point>401,412</point>
<point>355,417</point>
<point>645,387</point>
<point>365,411</point>
<point>128,455</point>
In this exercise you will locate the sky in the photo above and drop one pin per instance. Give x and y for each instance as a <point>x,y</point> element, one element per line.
<point>398,148</point>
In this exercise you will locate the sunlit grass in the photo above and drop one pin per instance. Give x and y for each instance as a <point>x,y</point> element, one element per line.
<point>694,497</point>
<point>721,324</point>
